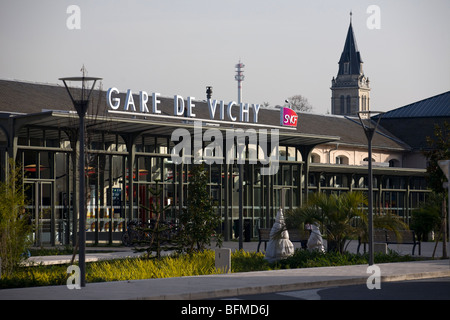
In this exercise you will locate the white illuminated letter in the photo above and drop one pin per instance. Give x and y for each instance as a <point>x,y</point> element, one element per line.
<point>178,105</point>
<point>244,111</point>
<point>230,105</point>
<point>129,101</point>
<point>190,106</point>
<point>222,110</point>
<point>109,101</point>
<point>143,99</point>
<point>255,113</point>
<point>155,103</point>
<point>212,108</point>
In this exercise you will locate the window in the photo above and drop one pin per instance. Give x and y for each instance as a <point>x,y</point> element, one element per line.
<point>349,105</point>
<point>346,67</point>
<point>315,158</point>
<point>341,160</point>
<point>365,103</point>
<point>342,105</point>
<point>394,163</point>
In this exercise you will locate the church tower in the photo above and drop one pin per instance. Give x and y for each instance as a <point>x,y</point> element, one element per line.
<point>350,91</point>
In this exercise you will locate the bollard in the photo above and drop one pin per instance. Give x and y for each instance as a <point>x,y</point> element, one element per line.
<point>223,260</point>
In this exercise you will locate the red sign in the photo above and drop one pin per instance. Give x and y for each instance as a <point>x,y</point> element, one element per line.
<point>288,117</point>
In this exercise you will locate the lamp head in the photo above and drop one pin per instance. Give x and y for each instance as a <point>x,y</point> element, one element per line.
<point>208,92</point>
<point>445,164</point>
<point>368,124</point>
<point>79,88</point>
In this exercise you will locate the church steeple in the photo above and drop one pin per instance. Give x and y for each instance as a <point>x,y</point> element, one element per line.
<point>350,62</point>
<point>350,89</point>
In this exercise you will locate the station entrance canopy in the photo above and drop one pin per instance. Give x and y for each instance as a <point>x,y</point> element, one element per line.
<point>129,125</point>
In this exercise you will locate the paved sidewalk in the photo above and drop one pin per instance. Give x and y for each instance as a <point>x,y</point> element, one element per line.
<point>227,285</point>
<point>124,252</point>
<point>112,253</point>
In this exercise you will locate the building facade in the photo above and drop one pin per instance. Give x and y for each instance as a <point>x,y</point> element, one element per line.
<point>128,155</point>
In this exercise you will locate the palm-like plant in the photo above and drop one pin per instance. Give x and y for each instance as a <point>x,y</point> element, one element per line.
<point>338,214</point>
<point>342,217</point>
<point>345,221</point>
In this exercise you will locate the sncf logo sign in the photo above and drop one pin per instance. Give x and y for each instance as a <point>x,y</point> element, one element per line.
<point>288,117</point>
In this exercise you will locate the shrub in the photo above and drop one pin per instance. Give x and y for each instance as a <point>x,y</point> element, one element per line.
<point>136,268</point>
<point>243,261</point>
<point>14,226</point>
<point>200,221</point>
<point>428,216</point>
<point>181,265</point>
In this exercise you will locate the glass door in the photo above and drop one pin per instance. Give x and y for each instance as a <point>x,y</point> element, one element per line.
<point>40,210</point>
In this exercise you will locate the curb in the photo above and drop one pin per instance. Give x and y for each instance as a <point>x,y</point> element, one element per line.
<point>225,293</point>
<point>215,287</point>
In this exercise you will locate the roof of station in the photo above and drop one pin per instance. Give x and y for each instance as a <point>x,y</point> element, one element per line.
<point>47,105</point>
<point>435,106</point>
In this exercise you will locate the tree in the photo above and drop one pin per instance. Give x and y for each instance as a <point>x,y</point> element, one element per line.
<point>439,149</point>
<point>14,223</point>
<point>427,217</point>
<point>158,236</point>
<point>299,103</point>
<point>199,222</point>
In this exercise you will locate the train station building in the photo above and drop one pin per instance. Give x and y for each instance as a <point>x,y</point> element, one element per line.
<point>130,147</point>
<point>128,154</point>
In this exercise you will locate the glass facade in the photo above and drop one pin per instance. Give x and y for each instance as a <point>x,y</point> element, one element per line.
<point>122,169</point>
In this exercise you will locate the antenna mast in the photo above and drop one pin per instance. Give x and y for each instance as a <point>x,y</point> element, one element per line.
<point>239,78</point>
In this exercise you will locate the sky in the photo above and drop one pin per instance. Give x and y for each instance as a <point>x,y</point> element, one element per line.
<point>288,47</point>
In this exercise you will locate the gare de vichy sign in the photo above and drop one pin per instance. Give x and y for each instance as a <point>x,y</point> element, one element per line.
<point>226,111</point>
<point>214,152</point>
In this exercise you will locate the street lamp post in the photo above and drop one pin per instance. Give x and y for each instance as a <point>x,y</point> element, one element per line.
<point>80,100</point>
<point>370,127</point>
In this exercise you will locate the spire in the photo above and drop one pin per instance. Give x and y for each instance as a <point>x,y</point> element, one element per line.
<point>350,61</point>
<point>350,90</point>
